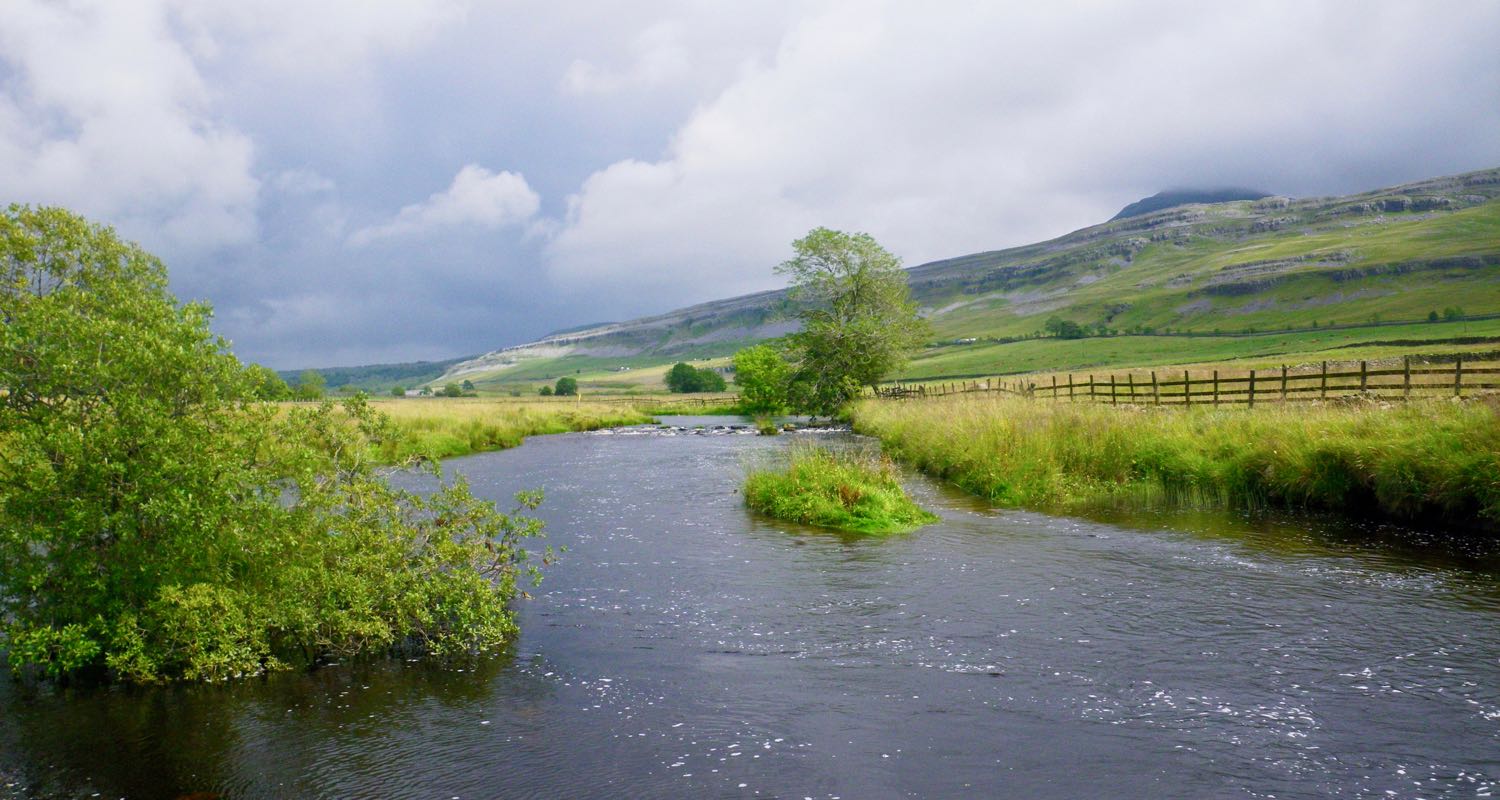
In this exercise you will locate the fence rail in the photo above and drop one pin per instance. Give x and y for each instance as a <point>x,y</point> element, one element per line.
<point>1223,386</point>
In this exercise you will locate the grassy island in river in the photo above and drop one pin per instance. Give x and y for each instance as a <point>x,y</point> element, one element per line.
<point>840,489</point>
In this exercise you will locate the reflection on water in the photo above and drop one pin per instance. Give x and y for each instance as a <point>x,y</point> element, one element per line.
<point>687,648</point>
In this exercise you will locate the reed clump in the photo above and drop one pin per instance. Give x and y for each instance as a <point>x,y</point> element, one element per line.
<point>1420,461</point>
<point>443,428</point>
<point>840,489</point>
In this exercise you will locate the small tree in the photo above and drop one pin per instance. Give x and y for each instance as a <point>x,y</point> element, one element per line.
<point>398,391</point>
<point>858,319</point>
<point>1432,316</point>
<point>710,381</point>
<point>310,385</point>
<point>762,375</point>
<point>682,378</point>
<point>567,387</point>
<point>545,391</point>
<point>267,384</point>
<point>452,390</point>
<point>468,387</point>
<point>1453,314</point>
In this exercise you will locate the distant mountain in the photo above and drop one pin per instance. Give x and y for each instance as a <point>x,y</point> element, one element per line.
<point>1182,197</point>
<point>1270,262</point>
<point>380,377</point>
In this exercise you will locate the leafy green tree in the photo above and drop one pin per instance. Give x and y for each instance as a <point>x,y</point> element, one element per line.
<point>310,385</point>
<point>710,380</point>
<point>566,387</point>
<point>859,323</point>
<point>1064,328</point>
<point>452,390</point>
<point>158,521</point>
<point>266,384</point>
<point>1453,314</point>
<point>545,391</point>
<point>763,376</point>
<point>682,378</point>
<point>398,391</point>
<point>1432,316</point>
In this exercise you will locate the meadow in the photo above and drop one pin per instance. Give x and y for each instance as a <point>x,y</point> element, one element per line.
<point>1434,461</point>
<point>439,428</point>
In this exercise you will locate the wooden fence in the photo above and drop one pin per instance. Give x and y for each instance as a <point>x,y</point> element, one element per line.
<point>1223,386</point>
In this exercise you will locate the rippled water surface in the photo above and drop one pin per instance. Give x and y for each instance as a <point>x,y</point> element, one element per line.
<point>685,648</point>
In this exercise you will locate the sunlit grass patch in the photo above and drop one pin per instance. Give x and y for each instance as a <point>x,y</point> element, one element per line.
<point>839,489</point>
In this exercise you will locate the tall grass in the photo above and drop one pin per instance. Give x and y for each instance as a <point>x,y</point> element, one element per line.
<point>1422,461</point>
<point>839,489</point>
<point>442,428</point>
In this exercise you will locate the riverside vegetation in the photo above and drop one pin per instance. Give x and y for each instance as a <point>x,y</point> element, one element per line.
<point>159,521</point>
<point>1420,461</point>
<point>841,489</point>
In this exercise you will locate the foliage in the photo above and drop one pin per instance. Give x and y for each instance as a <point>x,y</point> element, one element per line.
<point>566,387</point>
<point>452,390</point>
<point>545,391</point>
<point>840,489</point>
<point>398,391</point>
<point>267,384</point>
<point>159,522</point>
<point>1414,461</point>
<point>763,376</point>
<point>439,429</point>
<point>685,378</point>
<point>859,323</point>
<point>310,385</point>
<point>1064,328</point>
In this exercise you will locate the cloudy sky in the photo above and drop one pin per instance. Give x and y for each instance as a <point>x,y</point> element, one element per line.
<point>353,181</point>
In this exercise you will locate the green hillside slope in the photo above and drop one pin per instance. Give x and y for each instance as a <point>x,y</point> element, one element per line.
<point>1277,272</point>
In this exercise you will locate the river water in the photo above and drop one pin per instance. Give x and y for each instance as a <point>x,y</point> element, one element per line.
<point>686,648</point>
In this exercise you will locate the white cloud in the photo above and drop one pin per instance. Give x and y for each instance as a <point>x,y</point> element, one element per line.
<point>658,53</point>
<point>107,114</point>
<point>943,129</point>
<point>476,197</point>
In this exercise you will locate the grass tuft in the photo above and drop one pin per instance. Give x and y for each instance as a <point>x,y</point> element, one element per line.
<point>836,489</point>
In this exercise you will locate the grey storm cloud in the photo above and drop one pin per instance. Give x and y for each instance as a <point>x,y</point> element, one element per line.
<point>367,180</point>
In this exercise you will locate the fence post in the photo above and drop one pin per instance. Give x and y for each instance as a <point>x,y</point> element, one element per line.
<point>1054,388</point>
<point>1364,378</point>
<point>1155,390</point>
<point>1130,377</point>
<point>1458,377</point>
<point>1406,377</point>
<point>1070,387</point>
<point>1283,383</point>
<point>1216,387</point>
<point>1114,399</point>
<point>1251,393</point>
<point>1092,394</point>
<point>1187,389</point>
<point>1323,386</point>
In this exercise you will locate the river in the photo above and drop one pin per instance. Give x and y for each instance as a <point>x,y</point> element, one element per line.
<point>686,648</point>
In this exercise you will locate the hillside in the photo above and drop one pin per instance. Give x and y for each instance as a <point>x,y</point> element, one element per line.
<point>1238,267</point>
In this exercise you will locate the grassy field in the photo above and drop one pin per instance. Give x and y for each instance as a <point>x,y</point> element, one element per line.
<point>1258,351</point>
<point>1426,462</point>
<point>442,428</point>
<point>840,489</point>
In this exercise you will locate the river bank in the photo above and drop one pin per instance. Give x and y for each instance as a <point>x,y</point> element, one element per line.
<point>446,428</point>
<point>1435,462</point>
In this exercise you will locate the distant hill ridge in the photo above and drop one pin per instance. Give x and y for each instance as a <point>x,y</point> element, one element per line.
<point>1267,262</point>
<point>1182,197</point>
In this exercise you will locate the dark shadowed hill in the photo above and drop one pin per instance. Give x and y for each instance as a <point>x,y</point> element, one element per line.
<point>1182,197</point>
